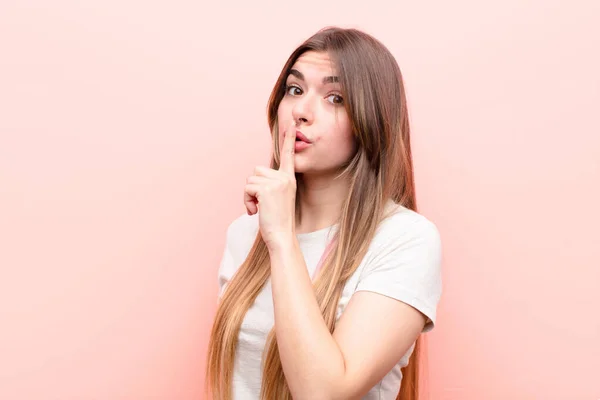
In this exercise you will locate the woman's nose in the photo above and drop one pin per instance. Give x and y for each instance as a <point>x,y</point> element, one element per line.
<point>303,110</point>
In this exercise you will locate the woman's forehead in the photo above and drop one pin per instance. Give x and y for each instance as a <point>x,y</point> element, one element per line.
<point>312,62</point>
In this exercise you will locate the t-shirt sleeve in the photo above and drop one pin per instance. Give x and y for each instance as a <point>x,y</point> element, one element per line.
<point>239,239</point>
<point>226,266</point>
<point>405,264</point>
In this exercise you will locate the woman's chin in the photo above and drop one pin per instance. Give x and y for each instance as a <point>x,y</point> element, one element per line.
<point>302,165</point>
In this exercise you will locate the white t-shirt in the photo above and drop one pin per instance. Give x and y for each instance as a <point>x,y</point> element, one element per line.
<point>403,262</point>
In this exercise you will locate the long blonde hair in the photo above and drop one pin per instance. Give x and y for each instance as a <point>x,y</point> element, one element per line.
<point>381,169</point>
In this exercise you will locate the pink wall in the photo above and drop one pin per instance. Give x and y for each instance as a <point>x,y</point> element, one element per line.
<point>127,129</point>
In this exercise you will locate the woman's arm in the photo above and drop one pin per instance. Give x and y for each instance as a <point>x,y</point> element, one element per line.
<point>372,335</point>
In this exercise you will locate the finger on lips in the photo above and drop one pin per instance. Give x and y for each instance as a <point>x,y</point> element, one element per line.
<point>287,151</point>
<point>263,174</point>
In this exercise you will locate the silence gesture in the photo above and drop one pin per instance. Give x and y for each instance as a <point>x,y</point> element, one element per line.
<point>272,194</point>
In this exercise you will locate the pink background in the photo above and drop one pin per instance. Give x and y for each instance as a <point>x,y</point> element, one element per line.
<point>127,129</point>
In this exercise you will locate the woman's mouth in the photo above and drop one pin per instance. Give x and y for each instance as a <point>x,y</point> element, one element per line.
<point>300,145</point>
<point>302,142</point>
<point>300,137</point>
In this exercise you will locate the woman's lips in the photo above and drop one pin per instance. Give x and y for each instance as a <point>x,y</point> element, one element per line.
<point>300,136</point>
<point>302,142</point>
<point>300,145</point>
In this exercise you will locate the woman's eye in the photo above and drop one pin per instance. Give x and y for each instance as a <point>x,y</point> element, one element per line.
<point>293,90</point>
<point>337,99</point>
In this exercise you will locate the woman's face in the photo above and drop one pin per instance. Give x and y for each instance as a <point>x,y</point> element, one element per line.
<point>313,99</point>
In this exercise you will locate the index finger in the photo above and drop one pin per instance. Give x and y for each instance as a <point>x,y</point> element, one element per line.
<point>287,150</point>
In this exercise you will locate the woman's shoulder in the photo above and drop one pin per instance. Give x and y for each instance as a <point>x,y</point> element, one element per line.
<point>243,224</point>
<point>241,233</point>
<point>403,224</point>
<point>404,261</point>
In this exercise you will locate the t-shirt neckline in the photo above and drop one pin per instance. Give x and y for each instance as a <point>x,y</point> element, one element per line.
<point>314,235</point>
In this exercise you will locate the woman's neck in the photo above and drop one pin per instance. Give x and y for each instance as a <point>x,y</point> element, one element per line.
<point>320,199</point>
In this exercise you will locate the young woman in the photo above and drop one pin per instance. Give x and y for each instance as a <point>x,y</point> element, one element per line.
<point>330,279</point>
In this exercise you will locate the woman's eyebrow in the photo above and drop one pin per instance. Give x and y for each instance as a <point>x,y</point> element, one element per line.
<point>326,80</point>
